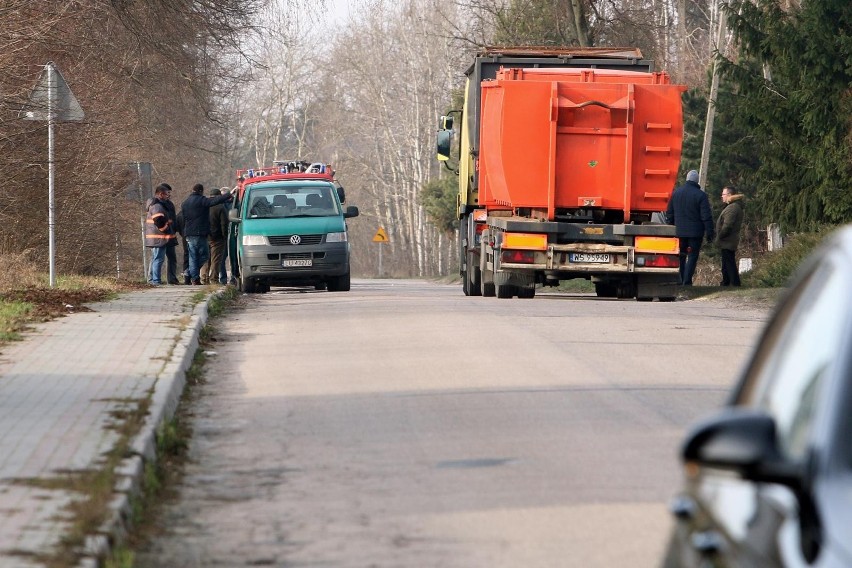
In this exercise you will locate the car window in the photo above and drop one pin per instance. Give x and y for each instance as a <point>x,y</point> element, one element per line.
<point>796,354</point>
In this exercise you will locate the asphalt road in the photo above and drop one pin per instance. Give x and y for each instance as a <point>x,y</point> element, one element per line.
<point>402,424</point>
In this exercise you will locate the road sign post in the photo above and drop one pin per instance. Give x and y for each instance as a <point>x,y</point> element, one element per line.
<point>52,100</point>
<point>380,237</point>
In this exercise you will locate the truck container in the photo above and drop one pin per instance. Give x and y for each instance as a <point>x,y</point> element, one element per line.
<point>565,157</point>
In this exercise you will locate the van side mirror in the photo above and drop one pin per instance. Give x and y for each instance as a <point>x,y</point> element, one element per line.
<point>351,211</point>
<point>341,194</point>
<point>234,215</point>
<point>446,123</point>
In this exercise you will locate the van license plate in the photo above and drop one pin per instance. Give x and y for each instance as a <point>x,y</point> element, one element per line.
<point>596,257</point>
<point>299,262</point>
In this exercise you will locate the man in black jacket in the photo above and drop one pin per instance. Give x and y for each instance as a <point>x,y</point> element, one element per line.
<point>689,211</point>
<point>196,227</point>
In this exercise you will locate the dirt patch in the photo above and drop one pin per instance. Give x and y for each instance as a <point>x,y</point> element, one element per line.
<point>49,303</point>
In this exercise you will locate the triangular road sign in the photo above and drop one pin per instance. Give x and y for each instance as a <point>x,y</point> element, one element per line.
<point>51,87</point>
<point>380,236</point>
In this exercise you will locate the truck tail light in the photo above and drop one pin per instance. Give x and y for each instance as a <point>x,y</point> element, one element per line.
<point>518,256</point>
<point>657,260</point>
<point>669,245</point>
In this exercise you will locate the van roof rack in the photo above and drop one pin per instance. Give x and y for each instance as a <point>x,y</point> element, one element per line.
<point>287,167</point>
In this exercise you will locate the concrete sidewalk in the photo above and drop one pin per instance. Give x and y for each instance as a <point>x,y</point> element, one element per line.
<point>64,392</point>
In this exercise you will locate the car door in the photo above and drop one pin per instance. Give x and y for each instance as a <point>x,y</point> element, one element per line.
<point>791,377</point>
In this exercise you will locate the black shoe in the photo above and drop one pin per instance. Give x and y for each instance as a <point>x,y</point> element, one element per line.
<point>196,282</point>
<point>186,281</point>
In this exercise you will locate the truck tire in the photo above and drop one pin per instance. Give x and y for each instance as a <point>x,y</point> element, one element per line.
<point>502,287</point>
<point>487,283</point>
<point>340,283</point>
<point>473,276</point>
<point>605,290</point>
<point>526,292</point>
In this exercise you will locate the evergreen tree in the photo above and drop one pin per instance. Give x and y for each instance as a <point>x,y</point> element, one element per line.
<point>792,78</point>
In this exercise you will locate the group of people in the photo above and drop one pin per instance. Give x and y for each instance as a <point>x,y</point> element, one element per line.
<point>689,211</point>
<point>202,223</point>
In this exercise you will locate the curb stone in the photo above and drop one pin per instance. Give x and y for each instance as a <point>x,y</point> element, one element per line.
<point>164,401</point>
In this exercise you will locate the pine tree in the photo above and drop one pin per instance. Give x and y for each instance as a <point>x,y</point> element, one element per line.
<point>792,77</point>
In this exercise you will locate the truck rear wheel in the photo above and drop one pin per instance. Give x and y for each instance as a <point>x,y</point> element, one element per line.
<point>502,286</point>
<point>473,276</point>
<point>487,283</point>
<point>526,292</point>
<point>605,290</point>
<point>505,290</point>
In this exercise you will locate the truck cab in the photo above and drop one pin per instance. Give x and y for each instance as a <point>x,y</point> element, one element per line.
<point>291,228</point>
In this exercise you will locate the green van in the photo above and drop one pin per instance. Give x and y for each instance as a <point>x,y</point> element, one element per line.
<point>291,231</point>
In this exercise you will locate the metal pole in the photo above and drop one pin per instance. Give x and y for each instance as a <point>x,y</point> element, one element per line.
<point>144,215</point>
<point>380,258</point>
<point>51,221</point>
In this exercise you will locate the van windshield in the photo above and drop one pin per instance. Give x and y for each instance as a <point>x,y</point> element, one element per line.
<point>292,201</point>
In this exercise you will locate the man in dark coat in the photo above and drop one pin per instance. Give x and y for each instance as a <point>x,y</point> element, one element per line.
<point>728,234</point>
<point>216,240</point>
<point>689,211</point>
<point>196,227</point>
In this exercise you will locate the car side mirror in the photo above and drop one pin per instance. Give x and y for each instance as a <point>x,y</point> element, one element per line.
<point>341,194</point>
<point>351,211</point>
<point>743,441</point>
<point>234,215</point>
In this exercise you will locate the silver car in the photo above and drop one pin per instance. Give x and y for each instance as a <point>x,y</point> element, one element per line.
<point>769,478</point>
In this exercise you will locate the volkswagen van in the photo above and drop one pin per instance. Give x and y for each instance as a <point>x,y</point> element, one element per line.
<point>291,228</point>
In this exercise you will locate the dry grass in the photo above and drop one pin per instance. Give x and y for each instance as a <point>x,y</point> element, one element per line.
<point>26,296</point>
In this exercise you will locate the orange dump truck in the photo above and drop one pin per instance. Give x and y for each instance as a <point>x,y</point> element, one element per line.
<point>565,156</point>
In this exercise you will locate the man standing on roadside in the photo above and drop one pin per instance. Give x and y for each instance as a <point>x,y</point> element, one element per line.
<point>223,270</point>
<point>171,256</point>
<point>689,211</point>
<point>159,232</point>
<point>196,227</point>
<point>728,234</point>
<point>216,241</point>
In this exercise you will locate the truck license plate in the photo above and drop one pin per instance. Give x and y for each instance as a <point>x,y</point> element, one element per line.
<point>597,257</point>
<point>299,262</point>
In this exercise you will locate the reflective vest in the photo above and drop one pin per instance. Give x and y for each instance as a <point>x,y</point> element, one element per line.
<point>158,236</point>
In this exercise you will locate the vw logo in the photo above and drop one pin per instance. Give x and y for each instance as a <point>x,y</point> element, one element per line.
<point>295,239</point>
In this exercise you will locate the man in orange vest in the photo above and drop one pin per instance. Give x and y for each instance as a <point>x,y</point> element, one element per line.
<point>159,232</point>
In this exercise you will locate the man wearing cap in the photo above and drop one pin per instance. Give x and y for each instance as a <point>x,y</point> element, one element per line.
<point>689,211</point>
<point>196,227</point>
